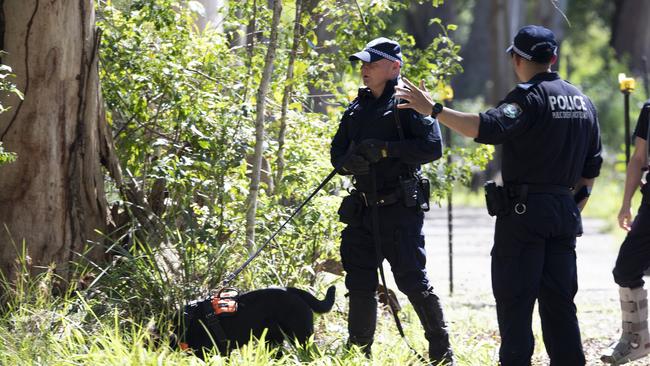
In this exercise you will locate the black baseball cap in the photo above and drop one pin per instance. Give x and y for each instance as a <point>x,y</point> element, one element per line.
<point>377,49</point>
<point>534,43</point>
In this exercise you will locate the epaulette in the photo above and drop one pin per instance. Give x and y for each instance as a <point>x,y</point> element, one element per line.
<point>525,86</point>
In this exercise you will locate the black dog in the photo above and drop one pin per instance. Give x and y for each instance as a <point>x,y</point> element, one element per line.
<point>283,311</point>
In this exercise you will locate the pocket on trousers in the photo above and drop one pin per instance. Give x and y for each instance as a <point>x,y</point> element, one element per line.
<point>351,210</point>
<point>508,231</point>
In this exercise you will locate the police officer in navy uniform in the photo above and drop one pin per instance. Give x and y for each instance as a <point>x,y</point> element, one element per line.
<point>370,131</point>
<point>551,155</point>
<point>634,255</point>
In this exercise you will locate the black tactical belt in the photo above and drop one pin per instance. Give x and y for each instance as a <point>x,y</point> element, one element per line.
<point>382,200</point>
<point>524,189</point>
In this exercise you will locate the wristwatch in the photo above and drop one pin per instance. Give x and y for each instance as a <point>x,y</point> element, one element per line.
<point>437,108</point>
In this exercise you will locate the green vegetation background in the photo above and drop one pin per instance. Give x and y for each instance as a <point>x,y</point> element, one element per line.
<point>181,104</point>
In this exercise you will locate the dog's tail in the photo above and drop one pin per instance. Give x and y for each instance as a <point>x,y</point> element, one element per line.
<point>318,306</point>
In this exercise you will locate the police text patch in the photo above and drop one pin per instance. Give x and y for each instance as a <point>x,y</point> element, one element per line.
<point>511,110</point>
<point>568,106</point>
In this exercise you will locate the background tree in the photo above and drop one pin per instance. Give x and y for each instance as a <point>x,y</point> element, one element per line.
<point>262,91</point>
<point>631,32</point>
<point>52,197</point>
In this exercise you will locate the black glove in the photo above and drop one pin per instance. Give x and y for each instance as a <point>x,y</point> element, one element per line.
<point>373,150</point>
<point>356,165</point>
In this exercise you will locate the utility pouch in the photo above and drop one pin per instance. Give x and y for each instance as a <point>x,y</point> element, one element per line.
<point>351,210</point>
<point>496,199</point>
<point>409,191</point>
<point>424,194</point>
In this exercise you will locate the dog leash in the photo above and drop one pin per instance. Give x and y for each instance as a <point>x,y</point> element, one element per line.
<point>380,259</point>
<point>329,177</point>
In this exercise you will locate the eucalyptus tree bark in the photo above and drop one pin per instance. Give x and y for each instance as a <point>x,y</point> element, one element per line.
<point>507,17</point>
<point>320,99</point>
<point>631,32</point>
<point>286,96</point>
<point>215,11</point>
<point>52,197</point>
<point>262,91</point>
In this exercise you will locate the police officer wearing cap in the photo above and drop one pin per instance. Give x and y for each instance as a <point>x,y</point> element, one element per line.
<point>395,142</point>
<point>634,254</point>
<point>551,155</point>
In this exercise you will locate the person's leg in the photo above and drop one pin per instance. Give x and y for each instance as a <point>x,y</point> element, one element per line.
<point>517,262</point>
<point>634,254</point>
<point>360,264</point>
<point>407,257</point>
<point>557,310</point>
<point>633,259</point>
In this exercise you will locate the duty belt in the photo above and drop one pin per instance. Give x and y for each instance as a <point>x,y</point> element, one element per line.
<point>522,190</point>
<point>382,199</point>
<point>519,193</point>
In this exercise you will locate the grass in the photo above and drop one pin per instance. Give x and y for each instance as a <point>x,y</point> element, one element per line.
<point>107,324</point>
<point>57,336</point>
<point>71,331</point>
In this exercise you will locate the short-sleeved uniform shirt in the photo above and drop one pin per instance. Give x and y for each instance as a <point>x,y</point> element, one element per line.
<point>641,129</point>
<point>549,131</point>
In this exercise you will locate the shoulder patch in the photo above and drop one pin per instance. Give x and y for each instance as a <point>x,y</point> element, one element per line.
<point>511,110</point>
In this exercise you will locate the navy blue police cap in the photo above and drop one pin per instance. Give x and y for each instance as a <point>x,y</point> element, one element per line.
<point>377,49</point>
<point>534,43</point>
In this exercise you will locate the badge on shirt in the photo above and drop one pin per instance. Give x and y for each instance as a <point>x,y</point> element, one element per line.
<point>511,110</point>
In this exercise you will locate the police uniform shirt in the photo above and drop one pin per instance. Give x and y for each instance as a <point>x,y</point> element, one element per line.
<point>368,117</point>
<point>549,132</point>
<point>641,129</point>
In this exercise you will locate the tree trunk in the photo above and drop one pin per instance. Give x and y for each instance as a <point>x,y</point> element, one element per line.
<point>552,14</point>
<point>288,87</point>
<point>262,91</point>
<point>214,14</point>
<point>418,18</point>
<point>52,197</point>
<point>475,52</point>
<point>320,99</point>
<point>631,32</point>
<point>507,18</point>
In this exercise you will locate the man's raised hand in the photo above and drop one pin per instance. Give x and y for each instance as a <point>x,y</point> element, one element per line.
<point>416,98</point>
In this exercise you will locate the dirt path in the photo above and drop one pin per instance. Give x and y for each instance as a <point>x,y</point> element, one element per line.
<point>597,299</point>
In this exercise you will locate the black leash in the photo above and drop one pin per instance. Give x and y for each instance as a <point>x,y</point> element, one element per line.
<point>380,259</point>
<point>331,175</point>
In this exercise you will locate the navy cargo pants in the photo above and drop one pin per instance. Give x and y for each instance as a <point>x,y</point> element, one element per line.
<point>402,245</point>
<point>634,254</point>
<point>534,258</point>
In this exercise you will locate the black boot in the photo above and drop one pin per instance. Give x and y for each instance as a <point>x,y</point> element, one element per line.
<point>362,319</point>
<point>427,307</point>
